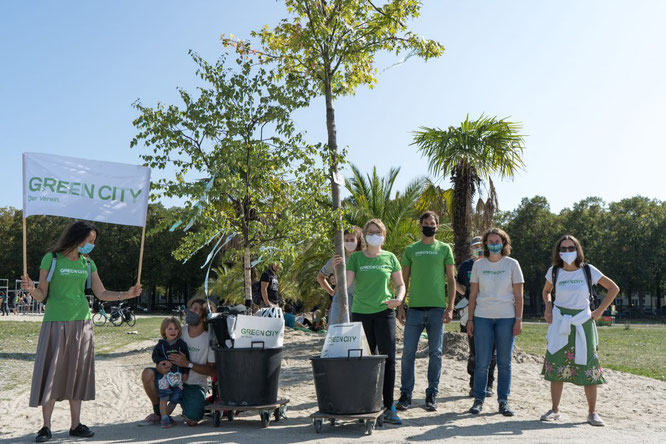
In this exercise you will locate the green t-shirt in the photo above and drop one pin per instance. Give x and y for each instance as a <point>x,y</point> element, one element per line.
<point>373,276</point>
<point>427,273</point>
<point>67,300</point>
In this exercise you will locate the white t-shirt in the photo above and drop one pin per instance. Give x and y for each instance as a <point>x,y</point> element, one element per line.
<point>496,279</point>
<point>571,290</point>
<point>200,353</point>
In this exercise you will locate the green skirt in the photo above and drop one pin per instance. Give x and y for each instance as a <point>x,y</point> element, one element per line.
<point>560,366</point>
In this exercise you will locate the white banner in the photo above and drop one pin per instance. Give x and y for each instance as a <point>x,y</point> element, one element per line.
<point>258,331</point>
<point>85,189</point>
<point>345,340</point>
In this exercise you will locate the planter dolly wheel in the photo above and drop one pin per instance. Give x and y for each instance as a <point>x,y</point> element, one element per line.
<point>230,415</point>
<point>265,418</point>
<point>216,418</point>
<point>280,413</point>
<point>369,426</point>
<point>380,421</point>
<point>317,424</point>
<point>332,421</point>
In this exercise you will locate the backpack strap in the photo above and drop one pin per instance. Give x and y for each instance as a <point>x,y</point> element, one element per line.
<point>553,278</point>
<point>588,278</point>
<point>52,269</point>
<point>89,279</point>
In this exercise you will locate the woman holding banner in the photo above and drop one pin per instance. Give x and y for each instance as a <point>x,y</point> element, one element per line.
<point>65,358</point>
<point>372,270</point>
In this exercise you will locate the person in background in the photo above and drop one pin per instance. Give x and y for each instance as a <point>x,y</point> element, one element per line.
<point>270,293</point>
<point>326,277</point>
<point>65,358</point>
<point>372,270</point>
<point>495,316</point>
<point>429,263</point>
<point>464,274</point>
<point>3,303</point>
<point>571,354</point>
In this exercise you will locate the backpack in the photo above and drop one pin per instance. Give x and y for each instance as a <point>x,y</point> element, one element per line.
<point>588,277</point>
<point>88,289</point>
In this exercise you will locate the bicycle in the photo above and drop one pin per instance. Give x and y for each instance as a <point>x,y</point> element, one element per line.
<point>119,314</point>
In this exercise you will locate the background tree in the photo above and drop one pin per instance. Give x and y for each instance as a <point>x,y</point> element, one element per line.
<point>533,230</point>
<point>470,154</point>
<point>239,161</point>
<point>328,48</point>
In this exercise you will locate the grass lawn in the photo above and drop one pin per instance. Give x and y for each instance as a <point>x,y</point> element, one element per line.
<point>21,337</point>
<point>640,350</point>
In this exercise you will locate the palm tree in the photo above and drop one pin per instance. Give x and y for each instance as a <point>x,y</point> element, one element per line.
<point>470,154</point>
<point>371,197</point>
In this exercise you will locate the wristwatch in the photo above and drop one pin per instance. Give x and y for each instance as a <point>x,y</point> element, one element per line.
<point>519,319</point>
<point>190,365</point>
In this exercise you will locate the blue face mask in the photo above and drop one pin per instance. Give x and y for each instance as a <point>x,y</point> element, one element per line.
<point>86,249</point>
<point>495,248</point>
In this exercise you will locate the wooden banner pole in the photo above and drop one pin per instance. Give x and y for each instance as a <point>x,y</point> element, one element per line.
<point>143,238</point>
<point>25,249</point>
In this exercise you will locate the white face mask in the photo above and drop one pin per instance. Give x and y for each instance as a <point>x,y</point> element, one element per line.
<point>569,257</point>
<point>350,246</point>
<point>374,240</point>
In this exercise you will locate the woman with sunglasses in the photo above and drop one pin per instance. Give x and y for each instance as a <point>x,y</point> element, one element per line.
<point>571,355</point>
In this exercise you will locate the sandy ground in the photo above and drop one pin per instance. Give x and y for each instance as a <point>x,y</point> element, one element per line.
<point>634,407</point>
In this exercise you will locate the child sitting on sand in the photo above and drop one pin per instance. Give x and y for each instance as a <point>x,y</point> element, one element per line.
<point>170,385</point>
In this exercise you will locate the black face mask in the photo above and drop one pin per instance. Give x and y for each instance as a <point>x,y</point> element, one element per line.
<point>428,231</point>
<point>192,318</point>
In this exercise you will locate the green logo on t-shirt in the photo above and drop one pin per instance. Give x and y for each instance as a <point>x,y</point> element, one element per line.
<point>487,272</point>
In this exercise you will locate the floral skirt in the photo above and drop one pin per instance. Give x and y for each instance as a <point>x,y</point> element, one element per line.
<point>560,366</point>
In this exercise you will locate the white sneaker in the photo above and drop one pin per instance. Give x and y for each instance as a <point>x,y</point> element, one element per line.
<point>550,416</point>
<point>595,420</point>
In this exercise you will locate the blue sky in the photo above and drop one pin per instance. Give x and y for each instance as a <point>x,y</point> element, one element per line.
<point>587,79</point>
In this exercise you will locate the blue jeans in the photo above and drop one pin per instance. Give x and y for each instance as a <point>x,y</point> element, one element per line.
<point>486,332</point>
<point>417,320</point>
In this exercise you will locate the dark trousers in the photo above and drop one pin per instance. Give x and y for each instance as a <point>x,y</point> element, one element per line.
<point>379,329</point>
<point>471,361</point>
<point>4,307</point>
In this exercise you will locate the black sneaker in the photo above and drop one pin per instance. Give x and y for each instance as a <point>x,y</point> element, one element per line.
<point>431,403</point>
<point>81,431</point>
<point>43,435</point>
<point>476,407</point>
<point>504,409</point>
<point>404,402</point>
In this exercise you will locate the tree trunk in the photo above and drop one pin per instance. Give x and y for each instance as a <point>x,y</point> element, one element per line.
<point>462,201</point>
<point>340,270</point>
<point>247,275</point>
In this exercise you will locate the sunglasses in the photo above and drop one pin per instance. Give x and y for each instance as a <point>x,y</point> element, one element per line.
<point>569,249</point>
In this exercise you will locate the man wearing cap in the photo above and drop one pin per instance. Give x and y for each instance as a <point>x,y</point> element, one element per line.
<point>462,280</point>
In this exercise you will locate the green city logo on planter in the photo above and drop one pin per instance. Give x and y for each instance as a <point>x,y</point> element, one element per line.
<point>84,190</point>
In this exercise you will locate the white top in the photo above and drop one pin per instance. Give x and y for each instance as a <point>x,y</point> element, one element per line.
<point>571,290</point>
<point>200,353</point>
<point>495,299</point>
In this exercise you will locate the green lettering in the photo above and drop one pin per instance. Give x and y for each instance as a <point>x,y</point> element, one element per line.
<point>113,196</point>
<point>134,196</point>
<point>89,190</point>
<point>73,188</point>
<point>49,182</point>
<point>99,192</point>
<point>62,187</point>
<point>35,184</point>
<point>122,194</point>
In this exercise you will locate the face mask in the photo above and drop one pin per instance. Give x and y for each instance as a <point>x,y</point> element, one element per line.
<point>350,246</point>
<point>428,231</point>
<point>569,257</point>
<point>374,240</point>
<point>477,252</point>
<point>495,248</point>
<point>86,249</point>
<point>191,318</point>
